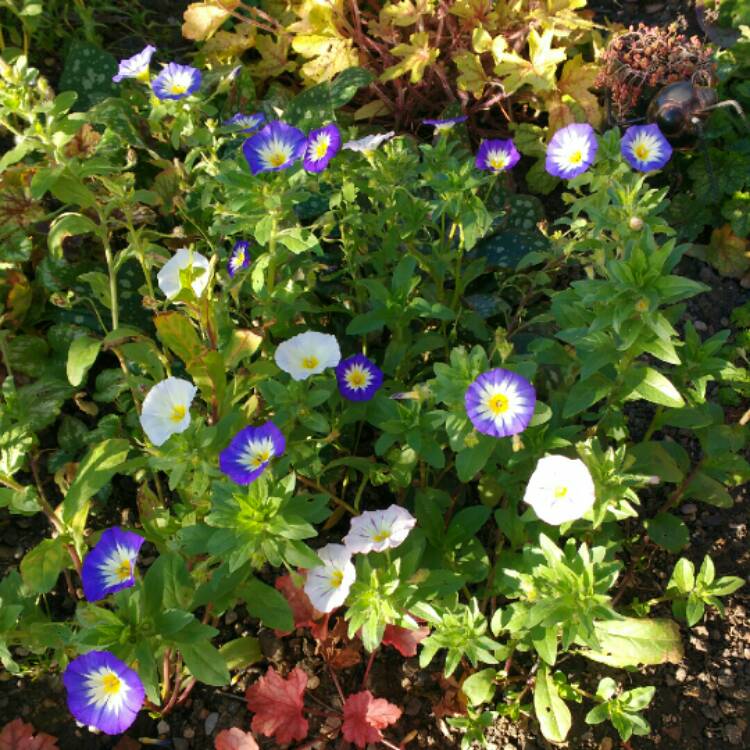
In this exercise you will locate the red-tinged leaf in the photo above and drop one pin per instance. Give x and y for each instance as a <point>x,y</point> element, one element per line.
<point>17,735</point>
<point>404,640</point>
<point>365,716</point>
<point>277,704</point>
<point>235,739</point>
<point>302,609</point>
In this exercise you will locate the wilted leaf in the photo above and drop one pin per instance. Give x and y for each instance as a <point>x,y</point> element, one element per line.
<point>274,55</point>
<point>728,253</point>
<point>201,20</point>
<point>572,89</point>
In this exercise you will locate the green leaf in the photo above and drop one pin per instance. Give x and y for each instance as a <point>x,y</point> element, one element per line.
<point>465,525</point>
<point>205,663</point>
<point>551,712</point>
<point>241,652</point>
<point>708,490</point>
<point>586,393</point>
<point>507,248</point>
<point>268,605</point>
<point>668,531</point>
<point>67,225</point>
<point>657,389</point>
<point>653,458</point>
<point>71,191</point>
<point>346,84</point>
<point>82,354</point>
<point>88,71</point>
<point>167,584</point>
<point>469,461</point>
<point>683,576</point>
<point>480,687</point>
<point>631,642</point>
<point>98,466</point>
<point>41,566</point>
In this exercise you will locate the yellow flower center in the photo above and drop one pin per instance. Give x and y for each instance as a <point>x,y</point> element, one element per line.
<point>277,158</point>
<point>337,578</point>
<point>261,458</point>
<point>641,305</point>
<point>498,404</point>
<point>111,683</point>
<point>642,151</point>
<point>178,413</point>
<point>561,492</point>
<point>123,570</point>
<point>498,161</point>
<point>176,88</point>
<point>381,536</point>
<point>239,258</point>
<point>576,157</point>
<point>321,148</point>
<point>311,362</point>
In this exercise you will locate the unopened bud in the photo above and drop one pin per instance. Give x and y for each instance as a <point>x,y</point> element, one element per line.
<point>636,223</point>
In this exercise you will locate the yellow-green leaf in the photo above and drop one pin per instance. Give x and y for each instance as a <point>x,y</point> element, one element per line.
<point>471,76</point>
<point>417,57</point>
<point>538,71</point>
<point>632,642</point>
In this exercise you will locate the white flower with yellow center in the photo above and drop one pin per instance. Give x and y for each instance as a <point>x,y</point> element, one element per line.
<point>307,354</point>
<point>327,585</point>
<point>378,530</point>
<point>166,409</point>
<point>369,143</point>
<point>560,490</point>
<point>184,262</point>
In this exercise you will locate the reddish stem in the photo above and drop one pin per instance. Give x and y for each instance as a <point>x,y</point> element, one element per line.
<point>368,668</point>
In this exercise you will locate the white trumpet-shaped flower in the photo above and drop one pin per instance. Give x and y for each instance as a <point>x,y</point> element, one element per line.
<point>327,585</point>
<point>560,489</point>
<point>166,409</point>
<point>378,530</point>
<point>169,278</point>
<point>307,354</point>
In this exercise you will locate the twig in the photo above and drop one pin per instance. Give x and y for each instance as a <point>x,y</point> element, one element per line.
<point>318,486</point>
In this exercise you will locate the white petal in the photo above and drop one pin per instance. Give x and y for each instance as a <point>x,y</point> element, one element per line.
<point>169,275</point>
<point>159,405</point>
<point>553,473</point>
<point>322,348</point>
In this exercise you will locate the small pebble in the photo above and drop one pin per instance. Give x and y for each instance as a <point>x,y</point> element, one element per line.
<point>733,734</point>
<point>230,617</point>
<point>700,325</point>
<point>681,674</point>
<point>689,509</point>
<point>188,733</point>
<point>162,727</point>
<point>210,723</point>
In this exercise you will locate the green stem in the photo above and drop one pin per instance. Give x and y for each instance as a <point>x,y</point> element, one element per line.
<point>272,254</point>
<point>112,282</point>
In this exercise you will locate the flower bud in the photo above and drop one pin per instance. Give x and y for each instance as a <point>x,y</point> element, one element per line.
<point>636,223</point>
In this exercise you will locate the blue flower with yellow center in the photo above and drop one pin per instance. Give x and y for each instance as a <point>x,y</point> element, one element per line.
<point>136,66</point>
<point>277,146</point>
<point>322,145</point>
<point>500,403</point>
<point>110,565</point>
<point>358,378</point>
<point>250,451</point>
<point>176,81</point>
<point>103,692</point>
<point>240,257</point>
<point>645,148</point>
<point>497,155</point>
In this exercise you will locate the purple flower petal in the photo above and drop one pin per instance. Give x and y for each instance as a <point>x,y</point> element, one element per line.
<point>275,147</point>
<point>103,692</point>
<point>110,565</point>
<point>497,155</point>
<point>645,148</point>
<point>358,377</point>
<point>500,403</point>
<point>250,451</point>
<point>321,146</point>
<point>446,123</point>
<point>135,66</point>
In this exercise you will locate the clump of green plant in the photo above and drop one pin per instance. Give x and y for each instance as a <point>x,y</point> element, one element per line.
<point>370,336</point>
